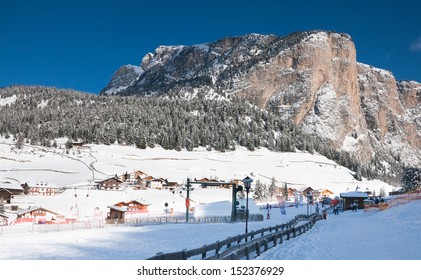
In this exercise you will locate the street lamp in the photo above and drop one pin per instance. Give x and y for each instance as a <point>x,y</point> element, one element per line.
<point>166,211</point>
<point>247,185</point>
<point>309,200</point>
<point>188,185</point>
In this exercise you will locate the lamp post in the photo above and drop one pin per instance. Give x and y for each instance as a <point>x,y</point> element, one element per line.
<point>188,185</point>
<point>166,211</point>
<point>309,200</point>
<point>247,185</point>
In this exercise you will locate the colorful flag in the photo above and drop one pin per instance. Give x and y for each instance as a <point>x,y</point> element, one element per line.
<point>281,203</point>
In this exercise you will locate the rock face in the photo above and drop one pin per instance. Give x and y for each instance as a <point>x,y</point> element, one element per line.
<point>124,77</point>
<point>312,78</point>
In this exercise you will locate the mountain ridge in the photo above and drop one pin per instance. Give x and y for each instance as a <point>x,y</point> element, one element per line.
<point>311,77</point>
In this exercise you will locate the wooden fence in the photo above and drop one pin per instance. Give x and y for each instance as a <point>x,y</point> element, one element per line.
<point>179,219</point>
<point>246,246</point>
<point>88,224</point>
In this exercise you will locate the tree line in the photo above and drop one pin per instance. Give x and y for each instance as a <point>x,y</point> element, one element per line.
<point>40,115</point>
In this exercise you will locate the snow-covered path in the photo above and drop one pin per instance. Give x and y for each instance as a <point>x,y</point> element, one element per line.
<point>393,234</point>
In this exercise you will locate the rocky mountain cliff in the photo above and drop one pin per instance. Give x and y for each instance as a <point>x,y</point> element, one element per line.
<point>312,78</point>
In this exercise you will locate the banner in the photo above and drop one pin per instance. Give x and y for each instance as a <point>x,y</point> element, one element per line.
<point>281,203</point>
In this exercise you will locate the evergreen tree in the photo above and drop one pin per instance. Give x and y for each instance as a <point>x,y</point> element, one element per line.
<point>411,179</point>
<point>2,211</point>
<point>187,123</point>
<point>285,191</point>
<point>260,191</point>
<point>272,188</point>
<point>382,192</point>
<point>20,141</point>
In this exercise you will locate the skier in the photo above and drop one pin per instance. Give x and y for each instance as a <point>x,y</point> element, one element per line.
<point>336,210</point>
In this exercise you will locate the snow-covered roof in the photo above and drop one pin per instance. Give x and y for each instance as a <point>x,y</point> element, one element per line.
<point>24,211</point>
<point>118,208</point>
<point>142,202</point>
<point>4,216</point>
<point>10,185</point>
<point>354,194</point>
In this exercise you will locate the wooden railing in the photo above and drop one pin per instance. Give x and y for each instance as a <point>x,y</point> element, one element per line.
<point>246,246</point>
<point>178,219</point>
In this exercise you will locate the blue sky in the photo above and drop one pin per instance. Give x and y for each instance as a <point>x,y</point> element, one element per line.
<point>80,44</point>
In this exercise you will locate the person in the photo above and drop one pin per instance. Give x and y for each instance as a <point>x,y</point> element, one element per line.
<point>335,210</point>
<point>354,207</point>
<point>317,208</point>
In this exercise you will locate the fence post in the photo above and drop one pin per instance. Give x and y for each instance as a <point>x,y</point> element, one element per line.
<point>266,245</point>
<point>247,253</point>
<point>274,240</point>
<point>257,244</point>
<point>218,246</point>
<point>204,251</point>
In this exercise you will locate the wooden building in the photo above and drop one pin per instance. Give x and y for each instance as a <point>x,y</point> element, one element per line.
<point>133,177</point>
<point>326,193</point>
<point>170,185</point>
<point>122,210</point>
<point>9,189</point>
<point>350,197</point>
<point>113,184</point>
<point>4,219</point>
<point>306,190</point>
<point>44,189</point>
<point>213,183</point>
<point>292,192</point>
<point>38,215</point>
<point>157,183</point>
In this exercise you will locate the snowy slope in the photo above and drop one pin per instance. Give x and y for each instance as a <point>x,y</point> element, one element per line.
<point>97,162</point>
<point>79,169</point>
<point>391,234</point>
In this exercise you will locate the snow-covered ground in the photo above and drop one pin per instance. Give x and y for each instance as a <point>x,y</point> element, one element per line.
<point>79,168</point>
<point>96,162</point>
<point>392,234</point>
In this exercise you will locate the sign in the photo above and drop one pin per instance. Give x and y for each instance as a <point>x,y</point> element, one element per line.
<point>187,203</point>
<point>281,203</point>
